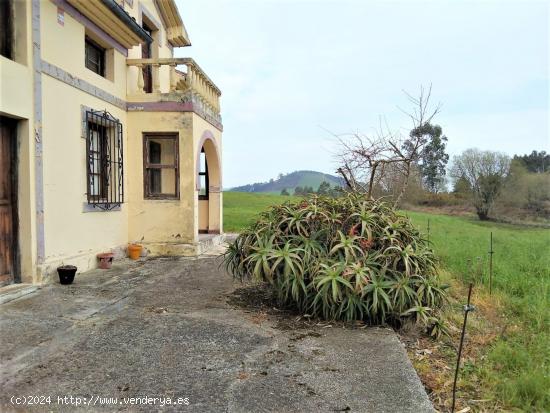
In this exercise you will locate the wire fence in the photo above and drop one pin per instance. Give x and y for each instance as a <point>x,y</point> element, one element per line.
<point>474,273</point>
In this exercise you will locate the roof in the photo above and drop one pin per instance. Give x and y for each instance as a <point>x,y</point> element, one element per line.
<point>175,29</point>
<point>113,19</point>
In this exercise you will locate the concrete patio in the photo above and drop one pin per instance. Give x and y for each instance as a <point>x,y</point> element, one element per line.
<point>164,328</point>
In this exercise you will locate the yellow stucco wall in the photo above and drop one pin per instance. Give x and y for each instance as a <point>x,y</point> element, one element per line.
<point>63,46</point>
<point>152,220</point>
<point>16,76</point>
<point>16,101</point>
<point>16,89</point>
<point>203,214</point>
<point>160,46</point>
<point>72,235</point>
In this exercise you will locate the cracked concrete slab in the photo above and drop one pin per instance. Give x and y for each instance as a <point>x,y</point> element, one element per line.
<point>164,328</point>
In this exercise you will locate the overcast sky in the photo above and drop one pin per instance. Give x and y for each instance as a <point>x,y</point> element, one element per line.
<point>290,70</point>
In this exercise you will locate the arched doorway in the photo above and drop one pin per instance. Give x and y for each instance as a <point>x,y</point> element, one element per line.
<point>209,186</point>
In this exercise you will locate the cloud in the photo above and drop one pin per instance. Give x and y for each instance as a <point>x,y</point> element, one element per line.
<point>287,67</point>
<point>500,131</point>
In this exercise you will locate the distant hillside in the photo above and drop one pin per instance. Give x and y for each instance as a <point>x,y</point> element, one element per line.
<point>291,181</point>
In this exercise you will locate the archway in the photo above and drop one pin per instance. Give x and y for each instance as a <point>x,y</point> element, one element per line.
<point>209,186</point>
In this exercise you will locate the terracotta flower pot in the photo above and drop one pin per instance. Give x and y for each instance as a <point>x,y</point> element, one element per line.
<point>66,274</point>
<point>105,260</point>
<point>134,251</point>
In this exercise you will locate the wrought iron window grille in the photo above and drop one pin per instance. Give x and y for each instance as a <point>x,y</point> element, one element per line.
<point>104,160</point>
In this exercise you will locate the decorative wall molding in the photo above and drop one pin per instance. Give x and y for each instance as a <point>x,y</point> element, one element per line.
<point>170,102</point>
<point>83,123</point>
<point>81,84</point>
<point>159,107</point>
<point>181,105</point>
<point>38,144</point>
<point>201,108</point>
<point>86,208</point>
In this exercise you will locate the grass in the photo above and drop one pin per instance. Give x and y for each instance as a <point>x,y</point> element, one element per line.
<point>507,362</point>
<point>513,368</point>
<point>241,208</point>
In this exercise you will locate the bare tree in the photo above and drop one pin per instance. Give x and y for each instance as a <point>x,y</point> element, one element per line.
<point>485,172</point>
<point>367,160</point>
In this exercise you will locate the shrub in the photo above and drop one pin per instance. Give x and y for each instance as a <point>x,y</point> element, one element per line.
<point>343,258</point>
<point>442,199</point>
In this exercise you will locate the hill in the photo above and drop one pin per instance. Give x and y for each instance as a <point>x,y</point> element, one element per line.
<point>291,181</point>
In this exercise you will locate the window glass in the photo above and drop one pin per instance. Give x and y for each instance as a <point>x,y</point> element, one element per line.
<point>202,185</point>
<point>203,176</point>
<point>161,177</point>
<point>162,151</point>
<point>94,57</point>
<point>162,182</point>
<point>203,162</point>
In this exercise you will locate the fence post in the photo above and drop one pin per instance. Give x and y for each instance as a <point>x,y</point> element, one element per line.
<point>467,308</point>
<point>428,229</point>
<point>491,252</point>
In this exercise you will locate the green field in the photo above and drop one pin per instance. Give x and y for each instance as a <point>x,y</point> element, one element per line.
<point>241,208</point>
<point>515,367</point>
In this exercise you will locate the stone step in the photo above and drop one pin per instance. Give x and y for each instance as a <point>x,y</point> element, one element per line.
<point>209,241</point>
<point>14,291</point>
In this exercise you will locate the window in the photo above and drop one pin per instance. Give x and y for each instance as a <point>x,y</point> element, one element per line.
<point>160,166</point>
<point>146,53</point>
<point>104,160</point>
<point>6,31</point>
<point>94,57</point>
<point>203,176</point>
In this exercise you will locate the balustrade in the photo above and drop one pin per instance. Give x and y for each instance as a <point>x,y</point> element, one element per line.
<point>193,79</point>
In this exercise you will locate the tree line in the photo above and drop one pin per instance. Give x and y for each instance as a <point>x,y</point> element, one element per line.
<point>324,189</point>
<point>414,169</point>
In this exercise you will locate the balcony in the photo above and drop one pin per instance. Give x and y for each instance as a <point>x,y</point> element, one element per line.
<point>176,80</point>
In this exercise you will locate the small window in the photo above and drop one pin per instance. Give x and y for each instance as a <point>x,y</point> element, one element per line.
<point>95,57</point>
<point>104,160</point>
<point>161,169</point>
<point>6,31</point>
<point>203,176</point>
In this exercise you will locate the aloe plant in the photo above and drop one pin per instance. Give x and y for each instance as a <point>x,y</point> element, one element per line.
<point>261,257</point>
<point>346,248</point>
<point>344,258</point>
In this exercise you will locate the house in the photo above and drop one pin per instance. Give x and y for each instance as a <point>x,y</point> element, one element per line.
<point>106,138</point>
